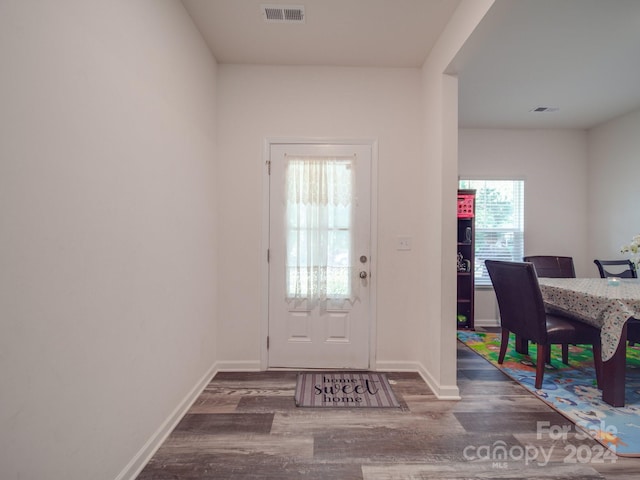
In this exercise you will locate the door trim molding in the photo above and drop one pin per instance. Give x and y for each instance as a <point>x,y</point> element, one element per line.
<point>264,244</point>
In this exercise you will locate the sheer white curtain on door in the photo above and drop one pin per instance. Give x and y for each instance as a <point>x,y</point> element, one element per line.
<point>319,221</point>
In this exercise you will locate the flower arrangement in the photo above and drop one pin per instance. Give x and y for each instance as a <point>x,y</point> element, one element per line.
<point>633,250</point>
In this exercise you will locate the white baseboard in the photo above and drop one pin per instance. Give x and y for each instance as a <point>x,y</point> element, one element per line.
<point>239,366</point>
<point>486,322</point>
<point>442,392</point>
<point>137,463</point>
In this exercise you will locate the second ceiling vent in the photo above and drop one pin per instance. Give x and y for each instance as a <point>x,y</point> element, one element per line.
<point>283,13</point>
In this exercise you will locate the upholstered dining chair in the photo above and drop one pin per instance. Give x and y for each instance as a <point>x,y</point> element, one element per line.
<point>621,268</point>
<point>633,331</point>
<point>522,312</point>
<point>552,266</point>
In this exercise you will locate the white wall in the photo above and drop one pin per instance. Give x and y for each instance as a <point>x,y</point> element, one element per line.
<point>614,176</point>
<point>108,231</point>
<point>435,326</point>
<point>320,102</point>
<point>553,164</point>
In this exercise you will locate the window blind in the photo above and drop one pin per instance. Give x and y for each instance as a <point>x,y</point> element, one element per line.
<point>499,223</point>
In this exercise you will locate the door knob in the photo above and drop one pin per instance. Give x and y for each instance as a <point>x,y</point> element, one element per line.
<point>363,274</point>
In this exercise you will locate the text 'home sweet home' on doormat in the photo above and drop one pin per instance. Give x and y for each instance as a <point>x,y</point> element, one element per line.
<point>344,389</point>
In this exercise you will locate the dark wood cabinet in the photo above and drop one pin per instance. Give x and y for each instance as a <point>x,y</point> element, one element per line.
<point>466,258</point>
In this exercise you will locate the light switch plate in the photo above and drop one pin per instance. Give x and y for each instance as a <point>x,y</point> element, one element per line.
<point>404,243</point>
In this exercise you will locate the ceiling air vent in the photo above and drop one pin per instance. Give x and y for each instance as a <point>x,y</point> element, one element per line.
<point>283,13</point>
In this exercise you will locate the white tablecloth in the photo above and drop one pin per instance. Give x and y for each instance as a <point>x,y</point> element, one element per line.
<point>596,302</point>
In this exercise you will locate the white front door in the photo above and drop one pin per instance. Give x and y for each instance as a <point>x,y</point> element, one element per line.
<point>319,256</point>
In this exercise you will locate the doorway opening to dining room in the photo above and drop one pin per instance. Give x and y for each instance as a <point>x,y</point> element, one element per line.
<point>319,305</point>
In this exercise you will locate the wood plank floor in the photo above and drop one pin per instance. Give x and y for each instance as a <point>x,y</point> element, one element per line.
<point>246,426</point>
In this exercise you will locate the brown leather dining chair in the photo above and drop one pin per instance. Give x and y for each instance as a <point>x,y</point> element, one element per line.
<point>621,268</point>
<point>522,312</point>
<point>552,266</point>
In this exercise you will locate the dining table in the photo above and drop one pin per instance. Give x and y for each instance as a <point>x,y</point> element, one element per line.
<point>608,304</point>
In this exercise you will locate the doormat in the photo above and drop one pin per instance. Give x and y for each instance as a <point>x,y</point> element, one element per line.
<point>344,390</point>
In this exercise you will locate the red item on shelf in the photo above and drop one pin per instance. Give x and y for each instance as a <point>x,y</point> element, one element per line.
<point>465,206</point>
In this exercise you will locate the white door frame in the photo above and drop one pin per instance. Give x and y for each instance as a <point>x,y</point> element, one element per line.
<point>264,271</point>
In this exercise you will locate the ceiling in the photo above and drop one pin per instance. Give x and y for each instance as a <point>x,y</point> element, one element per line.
<point>378,33</point>
<point>579,57</point>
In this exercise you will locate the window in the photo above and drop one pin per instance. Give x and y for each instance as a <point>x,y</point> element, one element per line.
<point>499,222</point>
<point>319,228</point>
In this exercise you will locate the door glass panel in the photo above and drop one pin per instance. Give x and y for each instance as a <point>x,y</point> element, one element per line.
<point>319,228</point>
